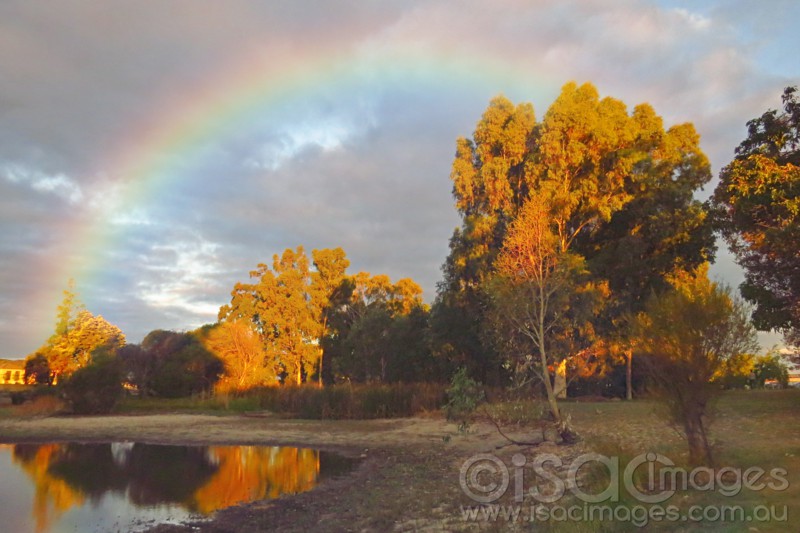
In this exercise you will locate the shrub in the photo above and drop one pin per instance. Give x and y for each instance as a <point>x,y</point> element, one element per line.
<point>463,397</point>
<point>95,388</point>
<point>37,369</point>
<point>40,405</point>
<point>18,398</point>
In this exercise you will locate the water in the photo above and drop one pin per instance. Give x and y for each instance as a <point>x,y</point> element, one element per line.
<point>70,487</point>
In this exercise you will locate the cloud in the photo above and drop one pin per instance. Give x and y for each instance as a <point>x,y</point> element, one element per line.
<point>361,162</point>
<point>58,184</point>
<point>326,133</point>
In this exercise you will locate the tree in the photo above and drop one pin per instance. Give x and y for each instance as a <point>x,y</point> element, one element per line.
<point>73,349</point>
<point>241,351</point>
<point>662,229</point>
<point>96,387</point>
<point>281,310</point>
<point>77,334</point>
<point>37,369</point>
<point>542,296</point>
<point>757,203</point>
<point>179,365</point>
<point>379,330</point>
<point>139,366</point>
<point>770,367</point>
<point>490,183</point>
<point>738,372</point>
<point>609,179</point>
<point>685,337</point>
<point>326,282</point>
<point>67,311</point>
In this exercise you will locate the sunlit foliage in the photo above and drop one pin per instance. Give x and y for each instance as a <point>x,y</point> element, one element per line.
<point>77,334</point>
<point>615,185</point>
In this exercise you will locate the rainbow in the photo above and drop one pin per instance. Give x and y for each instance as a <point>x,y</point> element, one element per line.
<point>180,125</point>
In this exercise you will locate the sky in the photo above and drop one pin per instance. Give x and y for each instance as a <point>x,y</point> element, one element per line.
<point>157,152</point>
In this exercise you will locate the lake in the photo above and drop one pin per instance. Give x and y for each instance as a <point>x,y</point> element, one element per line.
<point>125,486</point>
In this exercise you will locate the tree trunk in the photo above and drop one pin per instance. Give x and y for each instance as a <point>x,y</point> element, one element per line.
<point>629,374</point>
<point>699,449</point>
<point>548,386</point>
<point>561,380</point>
<point>321,354</point>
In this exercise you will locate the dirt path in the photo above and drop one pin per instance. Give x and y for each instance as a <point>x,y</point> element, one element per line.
<point>208,429</point>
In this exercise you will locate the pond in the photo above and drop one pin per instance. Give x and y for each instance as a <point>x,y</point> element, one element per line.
<point>124,486</point>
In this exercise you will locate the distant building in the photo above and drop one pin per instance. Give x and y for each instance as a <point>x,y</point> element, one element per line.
<point>791,360</point>
<point>12,372</point>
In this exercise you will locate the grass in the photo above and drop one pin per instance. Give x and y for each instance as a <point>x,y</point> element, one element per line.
<point>750,429</point>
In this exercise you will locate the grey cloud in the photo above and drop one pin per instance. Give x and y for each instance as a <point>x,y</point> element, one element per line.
<point>82,78</point>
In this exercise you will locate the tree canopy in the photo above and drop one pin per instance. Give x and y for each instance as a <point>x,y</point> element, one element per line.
<point>757,205</point>
<point>617,187</point>
<point>78,333</point>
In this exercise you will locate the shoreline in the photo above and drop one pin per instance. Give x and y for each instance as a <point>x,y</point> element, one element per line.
<point>396,457</point>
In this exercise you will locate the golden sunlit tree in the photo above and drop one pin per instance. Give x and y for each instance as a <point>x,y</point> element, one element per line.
<point>286,307</point>
<point>77,334</point>
<point>610,180</point>
<point>242,352</point>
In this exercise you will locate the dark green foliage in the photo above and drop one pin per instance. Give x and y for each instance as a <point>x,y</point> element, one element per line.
<point>97,387</point>
<point>378,333</point>
<point>171,365</point>
<point>37,369</point>
<point>757,210</point>
<point>458,335</point>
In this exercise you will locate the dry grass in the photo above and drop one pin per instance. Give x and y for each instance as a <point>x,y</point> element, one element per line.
<point>39,406</point>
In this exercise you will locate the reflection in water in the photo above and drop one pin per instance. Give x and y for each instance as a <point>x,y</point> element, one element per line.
<point>189,480</point>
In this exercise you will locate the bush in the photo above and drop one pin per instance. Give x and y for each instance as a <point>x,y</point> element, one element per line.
<point>18,398</point>
<point>95,388</point>
<point>463,397</point>
<point>40,405</point>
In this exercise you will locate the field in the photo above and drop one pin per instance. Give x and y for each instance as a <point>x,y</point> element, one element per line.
<point>408,479</point>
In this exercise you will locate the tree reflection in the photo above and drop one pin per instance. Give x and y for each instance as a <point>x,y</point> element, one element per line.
<point>199,479</point>
<point>52,496</point>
